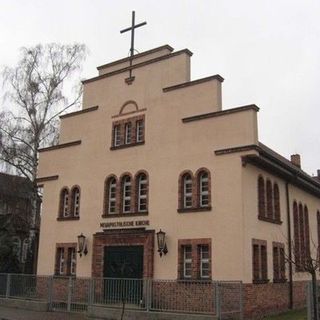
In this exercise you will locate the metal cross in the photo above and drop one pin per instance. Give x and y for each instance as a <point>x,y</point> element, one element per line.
<point>133,26</point>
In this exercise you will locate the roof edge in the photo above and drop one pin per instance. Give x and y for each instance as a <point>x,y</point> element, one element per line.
<point>193,82</point>
<point>220,113</point>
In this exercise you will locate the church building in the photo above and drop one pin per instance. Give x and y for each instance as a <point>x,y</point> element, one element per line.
<point>154,171</point>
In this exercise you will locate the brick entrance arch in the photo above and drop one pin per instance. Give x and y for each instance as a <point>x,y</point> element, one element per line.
<point>123,237</point>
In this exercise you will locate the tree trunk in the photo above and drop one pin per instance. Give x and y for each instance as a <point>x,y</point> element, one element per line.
<point>314,295</point>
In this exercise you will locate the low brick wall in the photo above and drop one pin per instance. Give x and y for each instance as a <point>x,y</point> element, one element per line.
<point>25,304</point>
<point>110,313</point>
<point>272,298</point>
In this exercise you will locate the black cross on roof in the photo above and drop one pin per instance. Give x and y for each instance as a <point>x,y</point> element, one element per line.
<point>133,26</point>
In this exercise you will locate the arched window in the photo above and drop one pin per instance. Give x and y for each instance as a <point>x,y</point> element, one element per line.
<point>306,232</point>
<point>269,200</point>
<point>142,192</point>
<point>276,201</point>
<point>110,196</point>
<point>203,189</point>
<point>302,234</point>
<point>64,203</point>
<point>126,194</point>
<point>318,229</point>
<point>75,202</point>
<point>187,191</point>
<point>261,197</point>
<point>296,227</point>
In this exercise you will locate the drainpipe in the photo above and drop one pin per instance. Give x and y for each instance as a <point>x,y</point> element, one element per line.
<point>289,248</point>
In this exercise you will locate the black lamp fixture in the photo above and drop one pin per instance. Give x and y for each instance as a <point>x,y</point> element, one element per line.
<point>82,245</point>
<point>162,246</point>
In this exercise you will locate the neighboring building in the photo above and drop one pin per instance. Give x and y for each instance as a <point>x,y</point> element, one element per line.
<point>16,225</point>
<point>156,151</point>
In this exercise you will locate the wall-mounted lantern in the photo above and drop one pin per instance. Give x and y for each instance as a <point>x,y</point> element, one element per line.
<point>82,245</point>
<point>162,246</point>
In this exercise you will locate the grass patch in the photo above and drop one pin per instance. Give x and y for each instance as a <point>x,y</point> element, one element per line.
<point>291,315</point>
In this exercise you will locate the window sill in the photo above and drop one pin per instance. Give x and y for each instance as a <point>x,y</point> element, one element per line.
<point>199,209</point>
<point>195,279</point>
<point>123,146</point>
<point>67,218</point>
<point>266,219</point>
<point>280,280</point>
<point>64,276</point>
<point>261,281</point>
<point>129,214</point>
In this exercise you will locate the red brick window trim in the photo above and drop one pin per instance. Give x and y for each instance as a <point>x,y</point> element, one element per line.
<point>301,236</point>
<point>128,132</point>
<point>126,196</point>
<point>259,261</point>
<point>66,259</point>
<point>279,268</point>
<point>194,191</point>
<point>69,204</point>
<point>194,259</point>
<point>268,201</point>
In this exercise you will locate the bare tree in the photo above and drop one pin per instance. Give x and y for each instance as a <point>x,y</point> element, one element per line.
<point>306,260</point>
<point>35,92</point>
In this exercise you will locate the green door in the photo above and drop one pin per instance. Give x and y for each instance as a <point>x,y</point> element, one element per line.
<point>123,270</point>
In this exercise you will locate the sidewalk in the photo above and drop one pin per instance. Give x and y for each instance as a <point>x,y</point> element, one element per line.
<point>20,314</point>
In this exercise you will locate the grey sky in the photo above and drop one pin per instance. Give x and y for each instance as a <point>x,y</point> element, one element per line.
<point>268,51</point>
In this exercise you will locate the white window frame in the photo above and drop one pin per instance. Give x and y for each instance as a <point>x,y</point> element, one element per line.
<point>76,202</point>
<point>73,261</point>
<point>112,199</point>
<point>139,130</point>
<point>126,193</point>
<point>187,180</point>
<point>61,260</point>
<point>65,205</point>
<point>116,137</point>
<point>204,192</point>
<point>128,132</point>
<point>187,261</point>
<point>142,186</point>
<point>204,260</point>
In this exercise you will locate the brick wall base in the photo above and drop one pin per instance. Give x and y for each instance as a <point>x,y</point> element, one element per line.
<point>272,298</point>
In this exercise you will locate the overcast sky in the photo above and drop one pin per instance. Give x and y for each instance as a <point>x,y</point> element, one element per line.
<point>268,51</point>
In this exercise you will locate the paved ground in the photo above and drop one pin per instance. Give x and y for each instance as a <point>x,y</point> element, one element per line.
<point>19,314</point>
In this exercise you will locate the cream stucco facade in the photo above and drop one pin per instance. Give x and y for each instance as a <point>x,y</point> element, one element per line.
<point>185,129</point>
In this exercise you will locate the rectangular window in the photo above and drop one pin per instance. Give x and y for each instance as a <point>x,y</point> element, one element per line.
<point>187,262</point>
<point>259,261</point>
<point>194,259</point>
<point>204,262</point>
<point>60,261</point>
<point>71,268</point>
<point>278,262</point>
<point>139,131</point>
<point>128,136</point>
<point>116,136</point>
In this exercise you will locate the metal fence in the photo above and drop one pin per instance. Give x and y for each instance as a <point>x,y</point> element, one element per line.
<point>221,299</point>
